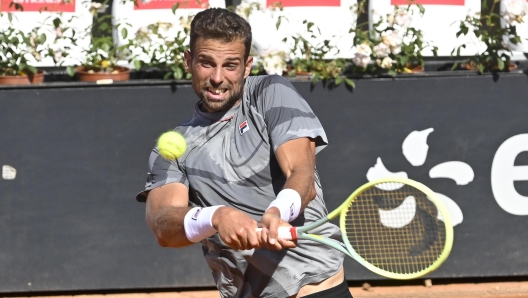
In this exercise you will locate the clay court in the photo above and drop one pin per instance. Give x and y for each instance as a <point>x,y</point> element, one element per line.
<point>462,290</point>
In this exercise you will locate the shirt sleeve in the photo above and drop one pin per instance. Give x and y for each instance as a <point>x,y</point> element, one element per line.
<point>288,116</point>
<point>161,172</point>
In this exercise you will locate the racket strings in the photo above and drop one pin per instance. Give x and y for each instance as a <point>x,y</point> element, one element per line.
<point>395,227</point>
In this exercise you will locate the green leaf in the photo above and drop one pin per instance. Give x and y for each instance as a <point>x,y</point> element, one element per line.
<point>42,38</point>
<point>70,70</point>
<point>175,7</point>
<point>277,25</point>
<point>338,80</point>
<point>124,32</point>
<point>350,83</point>
<point>56,22</point>
<point>500,63</point>
<point>421,8</point>
<point>31,69</point>
<point>137,64</point>
<point>10,16</point>
<point>178,73</point>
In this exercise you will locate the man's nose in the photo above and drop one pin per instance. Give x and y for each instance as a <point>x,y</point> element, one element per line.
<point>217,77</point>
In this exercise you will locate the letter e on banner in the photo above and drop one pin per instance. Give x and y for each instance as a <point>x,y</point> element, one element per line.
<point>504,173</point>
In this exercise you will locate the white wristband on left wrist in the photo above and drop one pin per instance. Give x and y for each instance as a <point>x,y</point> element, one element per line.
<point>198,223</point>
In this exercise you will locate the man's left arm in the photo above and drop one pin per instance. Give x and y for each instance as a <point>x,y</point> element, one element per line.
<point>296,159</point>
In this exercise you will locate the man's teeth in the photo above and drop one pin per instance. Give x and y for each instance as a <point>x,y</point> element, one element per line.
<point>217,91</point>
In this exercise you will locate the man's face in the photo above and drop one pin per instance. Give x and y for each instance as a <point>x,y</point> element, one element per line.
<point>218,72</point>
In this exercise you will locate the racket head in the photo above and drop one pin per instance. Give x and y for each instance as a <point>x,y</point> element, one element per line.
<point>397,228</point>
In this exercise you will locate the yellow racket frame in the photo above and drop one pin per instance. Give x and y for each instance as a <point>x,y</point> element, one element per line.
<point>349,250</point>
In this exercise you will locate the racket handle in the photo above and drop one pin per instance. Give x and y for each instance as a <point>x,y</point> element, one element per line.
<point>286,233</point>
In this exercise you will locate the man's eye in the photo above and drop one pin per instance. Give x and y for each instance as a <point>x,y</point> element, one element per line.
<point>231,66</point>
<point>206,64</point>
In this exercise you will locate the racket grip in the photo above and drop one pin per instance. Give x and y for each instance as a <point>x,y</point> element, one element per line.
<point>286,233</point>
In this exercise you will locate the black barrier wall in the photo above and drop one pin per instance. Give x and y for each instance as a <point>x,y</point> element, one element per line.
<point>69,219</point>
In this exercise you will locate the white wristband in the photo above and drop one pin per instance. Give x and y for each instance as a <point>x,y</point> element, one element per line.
<point>198,223</point>
<point>288,202</point>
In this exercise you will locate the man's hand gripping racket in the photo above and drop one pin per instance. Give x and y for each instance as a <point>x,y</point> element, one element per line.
<point>395,227</point>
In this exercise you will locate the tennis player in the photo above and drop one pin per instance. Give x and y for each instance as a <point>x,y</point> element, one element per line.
<point>250,162</point>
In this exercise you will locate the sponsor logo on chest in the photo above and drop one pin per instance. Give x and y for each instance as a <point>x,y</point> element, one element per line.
<point>243,127</point>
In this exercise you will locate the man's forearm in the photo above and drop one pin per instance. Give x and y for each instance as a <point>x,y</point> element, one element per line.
<point>167,225</point>
<point>303,183</point>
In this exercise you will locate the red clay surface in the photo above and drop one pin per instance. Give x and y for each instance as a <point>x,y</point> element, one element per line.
<point>487,290</point>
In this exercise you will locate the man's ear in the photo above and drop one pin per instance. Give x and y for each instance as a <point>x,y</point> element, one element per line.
<point>249,62</point>
<point>188,60</point>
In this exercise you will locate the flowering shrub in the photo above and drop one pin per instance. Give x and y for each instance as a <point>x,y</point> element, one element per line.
<point>495,31</point>
<point>392,43</point>
<point>101,54</point>
<point>162,46</point>
<point>18,49</point>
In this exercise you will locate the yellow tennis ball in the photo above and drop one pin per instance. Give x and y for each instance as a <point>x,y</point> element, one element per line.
<point>171,145</point>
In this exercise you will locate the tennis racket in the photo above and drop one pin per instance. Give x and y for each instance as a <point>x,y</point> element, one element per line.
<point>395,227</point>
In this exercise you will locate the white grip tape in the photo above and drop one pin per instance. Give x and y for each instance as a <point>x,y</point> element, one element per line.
<point>286,233</point>
<point>198,223</point>
<point>288,202</point>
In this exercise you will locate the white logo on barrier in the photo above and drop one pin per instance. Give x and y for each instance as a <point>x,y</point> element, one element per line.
<point>8,172</point>
<point>415,150</point>
<point>504,173</point>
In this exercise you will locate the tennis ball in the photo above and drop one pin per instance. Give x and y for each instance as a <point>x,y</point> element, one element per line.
<point>171,145</point>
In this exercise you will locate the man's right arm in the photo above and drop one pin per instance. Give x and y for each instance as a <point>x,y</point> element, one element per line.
<point>166,208</point>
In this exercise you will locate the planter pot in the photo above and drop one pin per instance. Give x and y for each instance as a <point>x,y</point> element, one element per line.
<point>414,69</point>
<point>471,66</point>
<point>123,74</point>
<point>23,80</point>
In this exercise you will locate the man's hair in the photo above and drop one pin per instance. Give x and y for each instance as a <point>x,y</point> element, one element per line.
<point>220,24</point>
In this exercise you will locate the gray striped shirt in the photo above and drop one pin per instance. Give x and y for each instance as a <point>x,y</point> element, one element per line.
<point>230,160</point>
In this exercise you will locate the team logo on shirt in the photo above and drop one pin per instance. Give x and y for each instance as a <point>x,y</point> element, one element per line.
<point>243,127</point>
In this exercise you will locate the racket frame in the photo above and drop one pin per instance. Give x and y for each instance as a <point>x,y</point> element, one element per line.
<point>351,252</point>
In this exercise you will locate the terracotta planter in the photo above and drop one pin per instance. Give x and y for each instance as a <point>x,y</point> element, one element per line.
<point>414,69</point>
<point>123,74</point>
<point>23,80</point>
<point>471,66</point>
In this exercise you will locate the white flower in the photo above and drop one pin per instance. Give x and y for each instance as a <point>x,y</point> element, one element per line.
<point>514,11</point>
<point>382,50</point>
<point>364,50</point>
<point>362,56</point>
<point>58,56</point>
<point>58,32</point>
<point>396,50</point>
<point>245,8</point>
<point>361,61</point>
<point>402,18</point>
<point>274,62</point>
<point>392,38</point>
<point>390,19</point>
<point>386,63</point>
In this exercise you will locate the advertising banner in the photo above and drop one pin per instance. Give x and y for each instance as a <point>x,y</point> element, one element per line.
<point>39,5</point>
<point>73,160</point>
